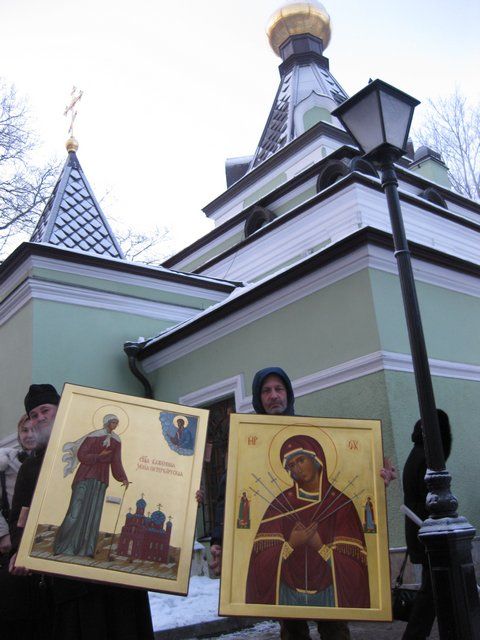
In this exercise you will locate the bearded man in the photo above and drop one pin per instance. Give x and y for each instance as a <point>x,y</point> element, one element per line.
<point>73,609</point>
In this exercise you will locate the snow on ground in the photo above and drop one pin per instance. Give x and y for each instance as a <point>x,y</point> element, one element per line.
<point>201,605</point>
<point>266,630</point>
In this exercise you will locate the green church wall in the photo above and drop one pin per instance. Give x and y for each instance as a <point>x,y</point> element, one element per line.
<point>433,170</point>
<point>266,188</point>
<point>337,324</point>
<point>314,115</point>
<point>461,400</point>
<point>85,346</point>
<point>15,367</point>
<point>450,319</point>
<point>295,202</point>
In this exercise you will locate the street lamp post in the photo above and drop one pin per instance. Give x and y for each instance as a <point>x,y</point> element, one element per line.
<point>378,118</point>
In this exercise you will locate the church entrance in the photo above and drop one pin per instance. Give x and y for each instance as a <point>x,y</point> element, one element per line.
<point>214,462</point>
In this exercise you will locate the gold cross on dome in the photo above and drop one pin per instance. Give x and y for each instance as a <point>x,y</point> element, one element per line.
<point>75,97</point>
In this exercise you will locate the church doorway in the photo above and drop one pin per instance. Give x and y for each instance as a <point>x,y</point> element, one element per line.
<point>214,462</point>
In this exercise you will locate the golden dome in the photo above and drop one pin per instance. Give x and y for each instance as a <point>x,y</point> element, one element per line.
<point>71,144</point>
<point>298,18</point>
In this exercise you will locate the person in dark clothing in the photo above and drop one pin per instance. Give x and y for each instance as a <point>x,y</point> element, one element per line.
<point>217,531</point>
<point>74,609</point>
<point>415,494</point>
<point>272,394</point>
<point>16,621</point>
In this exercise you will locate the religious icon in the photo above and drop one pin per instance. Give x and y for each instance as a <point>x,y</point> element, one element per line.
<point>179,432</point>
<point>243,521</point>
<point>310,538</point>
<point>369,520</point>
<point>309,483</point>
<point>108,461</point>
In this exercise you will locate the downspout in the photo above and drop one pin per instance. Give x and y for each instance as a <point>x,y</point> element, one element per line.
<point>132,349</point>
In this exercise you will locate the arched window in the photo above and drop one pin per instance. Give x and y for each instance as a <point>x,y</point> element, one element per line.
<point>363,166</point>
<point>331,172</point>
<point>258,218</point>
<point>434,196</point>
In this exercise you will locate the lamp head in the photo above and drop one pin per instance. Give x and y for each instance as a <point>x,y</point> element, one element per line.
<point>378,118</point>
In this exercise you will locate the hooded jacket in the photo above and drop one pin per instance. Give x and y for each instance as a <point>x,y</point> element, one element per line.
<point>257,383</point>
<point>217,531</point>
<point>414,487</point>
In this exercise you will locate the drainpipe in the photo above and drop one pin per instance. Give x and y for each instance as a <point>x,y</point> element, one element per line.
<point>132,349</point>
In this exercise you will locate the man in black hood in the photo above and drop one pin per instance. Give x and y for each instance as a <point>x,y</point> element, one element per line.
<point>272,394</point>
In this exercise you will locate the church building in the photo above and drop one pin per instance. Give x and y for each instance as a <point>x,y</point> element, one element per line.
<point>299,272</point>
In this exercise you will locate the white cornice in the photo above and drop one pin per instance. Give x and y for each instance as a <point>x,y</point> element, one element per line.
<point>367,256</point>
<point>111,275</point>
<point>208,246</point>
<point>220,210</point>
<point>128,278</point>
<point>344,372</point>
<point>67,294</point>
<point>335,216</point>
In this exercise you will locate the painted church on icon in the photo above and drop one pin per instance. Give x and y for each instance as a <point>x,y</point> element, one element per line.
<point>145,537</point>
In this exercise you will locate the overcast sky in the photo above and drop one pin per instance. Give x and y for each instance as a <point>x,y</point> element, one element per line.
<point>171,89</point>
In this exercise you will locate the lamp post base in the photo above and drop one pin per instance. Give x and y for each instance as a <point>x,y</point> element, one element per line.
<point>449,547</point>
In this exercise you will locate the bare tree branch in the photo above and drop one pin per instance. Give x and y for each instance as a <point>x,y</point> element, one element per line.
<point>24,186</point>
<point>452,127</point>
<point>149,248</point>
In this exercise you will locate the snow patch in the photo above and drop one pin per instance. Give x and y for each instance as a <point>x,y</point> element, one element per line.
<point>201,605</point>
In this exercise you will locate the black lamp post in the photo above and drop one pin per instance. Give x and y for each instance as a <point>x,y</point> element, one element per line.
<point>378,118</point>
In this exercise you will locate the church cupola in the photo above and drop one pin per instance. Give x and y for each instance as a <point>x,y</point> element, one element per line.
<point>141,504</point>
<point>299,33</point>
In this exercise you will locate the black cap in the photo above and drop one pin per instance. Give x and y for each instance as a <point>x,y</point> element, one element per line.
<point>40,394</point>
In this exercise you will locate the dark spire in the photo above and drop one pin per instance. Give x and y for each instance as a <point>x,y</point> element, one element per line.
<point>308,92</point>
<point>72,217</point>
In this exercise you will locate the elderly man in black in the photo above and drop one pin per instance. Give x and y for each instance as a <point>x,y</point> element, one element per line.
<point>73,609</point>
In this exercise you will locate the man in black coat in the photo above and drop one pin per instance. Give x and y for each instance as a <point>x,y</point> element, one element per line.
<point>272,394</point>
<point>415,495</point>
<point>78,610</point>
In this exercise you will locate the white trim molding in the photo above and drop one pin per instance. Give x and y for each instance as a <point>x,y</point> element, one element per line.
<point>380,361</point>
<point>131,279</point>
<point>97,275</point>
<point>68,294</point>
<point>332,376</point>
<point>222,389</point>
<point>368,256</point>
